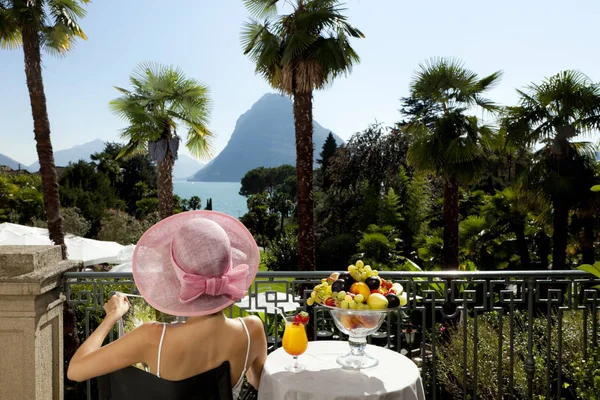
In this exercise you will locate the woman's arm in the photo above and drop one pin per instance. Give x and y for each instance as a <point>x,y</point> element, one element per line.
<point>259,347</point>
<point>91,359</point>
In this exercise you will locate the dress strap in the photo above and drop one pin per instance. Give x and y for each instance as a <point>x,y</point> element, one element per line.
<point>248,348</point>
<point>160,348</point>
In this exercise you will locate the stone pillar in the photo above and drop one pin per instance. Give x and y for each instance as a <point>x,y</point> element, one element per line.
<point>31,325</point>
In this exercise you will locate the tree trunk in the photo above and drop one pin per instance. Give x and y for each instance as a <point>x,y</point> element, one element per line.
<point>303,123</point>
<point>165,185</point>
<point>543,245</point>
<point>450,223</point>
<point>519,228</point>
<point>560,224</point>
<point>41,130</point>
<point>586,240</point>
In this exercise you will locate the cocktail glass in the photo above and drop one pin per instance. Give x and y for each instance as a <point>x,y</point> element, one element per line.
<point>295,342</point>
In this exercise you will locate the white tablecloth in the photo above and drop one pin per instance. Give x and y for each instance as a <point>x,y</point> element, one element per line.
<point>395,378</point>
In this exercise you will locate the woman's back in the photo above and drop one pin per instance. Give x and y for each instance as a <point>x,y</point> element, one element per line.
<point>202,358</point>
<point>195,346</point>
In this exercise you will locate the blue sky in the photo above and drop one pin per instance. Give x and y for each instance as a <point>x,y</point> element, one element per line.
<point>527,39</point>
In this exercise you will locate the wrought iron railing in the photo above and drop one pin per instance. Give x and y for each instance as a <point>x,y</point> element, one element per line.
<point>502,334</point>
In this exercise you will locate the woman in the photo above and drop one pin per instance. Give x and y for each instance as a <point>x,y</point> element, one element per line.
<point>194,265</point>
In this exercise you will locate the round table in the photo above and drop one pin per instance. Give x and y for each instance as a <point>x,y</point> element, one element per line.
<point>395,378</point>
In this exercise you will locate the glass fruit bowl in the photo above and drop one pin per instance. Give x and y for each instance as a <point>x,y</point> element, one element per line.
<point>358,324</point>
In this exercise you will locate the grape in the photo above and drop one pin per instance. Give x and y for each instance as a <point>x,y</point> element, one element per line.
<point>352,305</point>
<point>359,264</point>
<point>360,306</point>
<point>344,304</point>
<point>334,295</point>
<point>351,268</point>
<point>341,295</point>
<point>363,276</point>
<point>366,307</point>
<point>403,299</point>
<point>368,268</point>
<point>359,298</point>
<point>348,298</point>
<point>310,301</point>
<point>313,294</point>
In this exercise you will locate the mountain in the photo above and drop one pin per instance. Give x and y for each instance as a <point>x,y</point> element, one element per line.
<point>185,167</point>
<point>62,158</point>
<point>12,164</point>
<point>263,136</point>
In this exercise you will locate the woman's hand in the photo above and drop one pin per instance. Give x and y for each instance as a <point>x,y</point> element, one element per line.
<point>117,306</point>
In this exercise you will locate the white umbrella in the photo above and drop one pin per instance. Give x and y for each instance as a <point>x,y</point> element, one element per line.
<point>125,267</point>
<point>266,300</point>
<point>88,250</point>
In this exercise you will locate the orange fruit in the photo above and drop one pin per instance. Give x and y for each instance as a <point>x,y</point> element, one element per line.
<point>360,288</point>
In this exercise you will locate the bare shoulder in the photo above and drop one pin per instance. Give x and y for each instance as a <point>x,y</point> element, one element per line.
<point>255,325</point>
<point>148,332</point>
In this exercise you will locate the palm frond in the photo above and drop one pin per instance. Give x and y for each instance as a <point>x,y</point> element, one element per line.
<point>10,34</point>
<point>262,8</point>
<point>162,99</point>
<point>301,51</point>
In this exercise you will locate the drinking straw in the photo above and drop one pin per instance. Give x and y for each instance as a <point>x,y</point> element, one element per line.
<point>131,295</point>
<point>281,313</point>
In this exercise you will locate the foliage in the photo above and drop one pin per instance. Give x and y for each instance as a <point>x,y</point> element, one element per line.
<point>586,377</point>
<point>146,206</point>
<point>379,244</point>
<point>208,204</point>
<point>120,227</point>
<point>282,253</point>
<point>84,187</point>
<point>450,365</point>
<point>259,220</point>
<point>132,178</point>
<point>54,20</point>
<point>301,51</point>
<point>21,200</point>
<point>374,155</point>
<point>555,112</point>
<point>74,223</point>
<point>262,179</point>
<point>328,150</point>
<point>592,269</point>
<point>194,203</point>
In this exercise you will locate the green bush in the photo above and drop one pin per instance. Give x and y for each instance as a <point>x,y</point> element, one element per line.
<point>282,253</point>
<point>120,227</point>
<point>579,375</point>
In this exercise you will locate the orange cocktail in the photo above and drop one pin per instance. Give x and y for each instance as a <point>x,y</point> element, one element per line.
<point>295,342</point>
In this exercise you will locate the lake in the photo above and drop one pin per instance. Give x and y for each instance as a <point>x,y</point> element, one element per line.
<point>225,195</point>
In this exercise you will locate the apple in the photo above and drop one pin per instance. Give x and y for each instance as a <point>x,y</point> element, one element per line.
<point>377,301</point>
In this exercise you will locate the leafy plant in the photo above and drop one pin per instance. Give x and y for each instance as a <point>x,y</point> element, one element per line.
<point>592,269</point>
<point>282,253</point>
<point>120,227</point>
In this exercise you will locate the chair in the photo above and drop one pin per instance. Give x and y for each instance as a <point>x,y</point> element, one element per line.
<point>133,383</point>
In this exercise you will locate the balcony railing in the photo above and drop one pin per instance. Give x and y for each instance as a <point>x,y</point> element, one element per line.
<point>502,334</point>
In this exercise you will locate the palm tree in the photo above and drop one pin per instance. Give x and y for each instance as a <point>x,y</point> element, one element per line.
<point>163,100</point>
<point>50,25</point>
<point>453,146</point>
<point>298,53</point>
<point>561,108</point>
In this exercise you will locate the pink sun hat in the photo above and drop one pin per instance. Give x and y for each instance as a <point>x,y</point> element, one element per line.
<point>195,263</point>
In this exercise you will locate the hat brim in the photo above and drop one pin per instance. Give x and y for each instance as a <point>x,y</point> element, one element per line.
<point>154,276</point>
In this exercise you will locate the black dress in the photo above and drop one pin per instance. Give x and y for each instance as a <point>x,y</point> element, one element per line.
<point>133,383</point>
